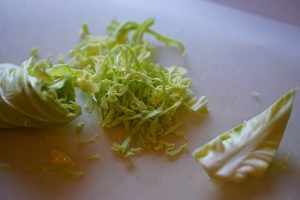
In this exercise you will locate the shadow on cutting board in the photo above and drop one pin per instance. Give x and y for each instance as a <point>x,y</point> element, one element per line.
<point>28,152</point>
<point>255,188</point>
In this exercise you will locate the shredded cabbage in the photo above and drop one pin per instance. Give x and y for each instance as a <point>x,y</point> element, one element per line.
<point>131,89</point>
<point>248,149</point>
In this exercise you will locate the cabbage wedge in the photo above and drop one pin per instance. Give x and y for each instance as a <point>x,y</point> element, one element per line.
<point>247,149</point>
<point>36,95</point>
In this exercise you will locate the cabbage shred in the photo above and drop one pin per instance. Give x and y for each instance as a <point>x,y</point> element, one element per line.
<point>131,89</point>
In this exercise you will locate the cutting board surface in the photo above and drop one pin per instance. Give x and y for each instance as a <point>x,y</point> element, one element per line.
<point>230,55</point>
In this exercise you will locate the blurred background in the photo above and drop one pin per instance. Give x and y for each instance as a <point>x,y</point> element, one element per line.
<point>287,11</point>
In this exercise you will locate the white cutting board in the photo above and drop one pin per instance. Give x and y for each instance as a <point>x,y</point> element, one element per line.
<point>229,54</point>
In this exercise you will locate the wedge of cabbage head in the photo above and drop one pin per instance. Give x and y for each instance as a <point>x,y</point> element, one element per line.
<point>248,149</point>
<point>36,95</point>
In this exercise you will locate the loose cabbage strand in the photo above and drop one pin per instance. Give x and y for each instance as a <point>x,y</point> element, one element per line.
<point>35,53</point>
<point>131,89</point>
<point>60,162</point>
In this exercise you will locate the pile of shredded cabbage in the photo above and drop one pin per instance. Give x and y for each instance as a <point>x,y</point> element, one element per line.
<point>131,89</point>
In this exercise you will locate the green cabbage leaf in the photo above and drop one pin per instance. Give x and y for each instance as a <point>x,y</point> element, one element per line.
<point>248,149</point>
